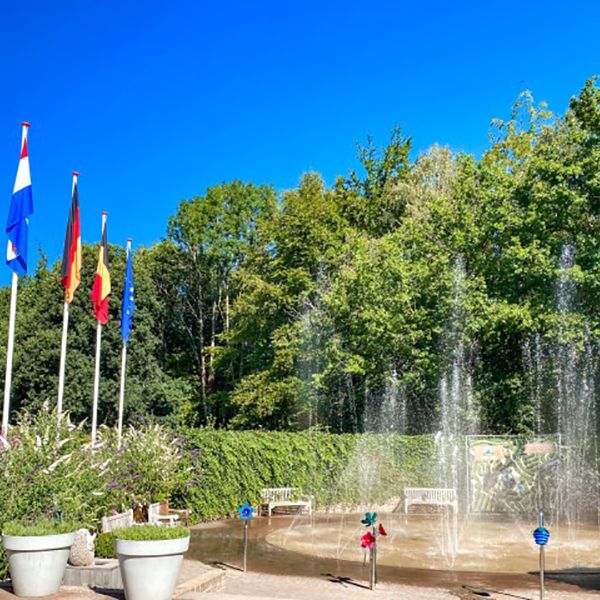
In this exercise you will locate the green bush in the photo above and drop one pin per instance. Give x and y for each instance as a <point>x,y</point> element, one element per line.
<point>105,545</point>
<point>146,533</point>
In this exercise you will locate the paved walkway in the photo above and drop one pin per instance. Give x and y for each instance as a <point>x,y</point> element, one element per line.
<point>259,586</point>
<point>252,586</point>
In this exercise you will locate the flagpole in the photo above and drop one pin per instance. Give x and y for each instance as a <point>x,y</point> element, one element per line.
<point>123,365</point>
<point>96,384</point>
<point>63,355</point>
<point>122,394</point>
<point>63,343</point>
<point>22,182</point>
<point>97,370</point>
<point>9,354</point>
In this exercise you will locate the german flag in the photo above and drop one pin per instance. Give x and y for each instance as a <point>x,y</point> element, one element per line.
<point>71,262</point>
<point>101,289</point>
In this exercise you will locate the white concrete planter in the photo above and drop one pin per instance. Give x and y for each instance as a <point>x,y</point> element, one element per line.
<point>149,569</point>
<point>37,563</point>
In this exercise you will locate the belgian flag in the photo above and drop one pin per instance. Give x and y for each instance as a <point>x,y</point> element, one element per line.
<point>101,289</point>
<point>71,262</point>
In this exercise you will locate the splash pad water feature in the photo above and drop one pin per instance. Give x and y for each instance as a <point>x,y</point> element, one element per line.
<point>500,481</point>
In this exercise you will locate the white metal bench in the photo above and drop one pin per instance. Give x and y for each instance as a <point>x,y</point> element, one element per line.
<point>283,497</point>
<point>430,496</point>
<point>117,521</point>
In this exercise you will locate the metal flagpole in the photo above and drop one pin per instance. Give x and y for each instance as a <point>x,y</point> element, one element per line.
<point>9,354</point>
<point>97,370</point>
<point>63,342</point>
<point>126,293</point>
<point>96,384</point>
<point>63,355</point>
<point>24,207</point>
<point>122,395</point>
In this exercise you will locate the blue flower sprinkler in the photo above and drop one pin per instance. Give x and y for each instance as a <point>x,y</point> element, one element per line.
<point>246,514</point>
<point>541,536</point>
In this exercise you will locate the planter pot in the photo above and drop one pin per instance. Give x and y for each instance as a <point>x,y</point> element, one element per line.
<point>149,569</point>
<point>37,563</point>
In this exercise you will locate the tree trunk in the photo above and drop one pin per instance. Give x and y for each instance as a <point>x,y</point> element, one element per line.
<point>213,336</point>
<point>227,311</point>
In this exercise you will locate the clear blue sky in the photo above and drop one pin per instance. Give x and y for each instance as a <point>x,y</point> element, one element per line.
<point>154,101</point>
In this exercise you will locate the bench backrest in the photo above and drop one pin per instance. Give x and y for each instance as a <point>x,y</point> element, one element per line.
<point>430,494</point>
<point>117,521</point>
<point>153,511</point>
<point>278,494</point>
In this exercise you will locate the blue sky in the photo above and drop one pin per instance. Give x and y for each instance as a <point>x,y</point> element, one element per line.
<point>154,101</point>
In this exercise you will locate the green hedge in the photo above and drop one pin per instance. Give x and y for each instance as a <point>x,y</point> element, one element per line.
<point>222,469</point>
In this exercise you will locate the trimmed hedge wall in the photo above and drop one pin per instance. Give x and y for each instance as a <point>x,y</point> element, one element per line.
<point>222,469</point>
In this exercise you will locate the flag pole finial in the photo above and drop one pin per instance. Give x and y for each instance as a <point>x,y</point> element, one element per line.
<point>75,173</point>
<point>104,213</point>
<point>25,123</point>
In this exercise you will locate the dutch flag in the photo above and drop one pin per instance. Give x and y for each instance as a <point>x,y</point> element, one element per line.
<point>21,207</point>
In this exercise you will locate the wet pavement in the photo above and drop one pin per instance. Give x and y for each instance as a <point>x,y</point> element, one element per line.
<point>220,543</point>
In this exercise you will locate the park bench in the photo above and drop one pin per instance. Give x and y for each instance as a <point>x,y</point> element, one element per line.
<point>430,496</point>
<point>117,521</point>
<point>283,498</point>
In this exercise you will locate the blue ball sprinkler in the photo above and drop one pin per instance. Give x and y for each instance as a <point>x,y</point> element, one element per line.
<point>541,536</point>
<point>246,514</point>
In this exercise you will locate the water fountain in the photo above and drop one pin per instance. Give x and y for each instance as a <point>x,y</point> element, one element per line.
<point>561,370</point>
<point>513,471</point>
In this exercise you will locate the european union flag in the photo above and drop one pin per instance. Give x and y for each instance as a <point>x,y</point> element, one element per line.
<point>128,302</point>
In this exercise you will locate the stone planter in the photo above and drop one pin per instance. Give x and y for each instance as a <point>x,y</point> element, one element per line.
<point>37,563</point>
<point>149,569</point>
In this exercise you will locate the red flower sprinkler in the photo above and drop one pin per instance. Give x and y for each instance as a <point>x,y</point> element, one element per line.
<point>541,536</point>
<point>246,514</point>
<point>368,541</point>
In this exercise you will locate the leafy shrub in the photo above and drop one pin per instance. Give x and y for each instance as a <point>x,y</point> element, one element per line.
<point>146,533</point>
<point>105,545</point>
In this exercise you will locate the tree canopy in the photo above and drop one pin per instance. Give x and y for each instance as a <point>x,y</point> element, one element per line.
<point>297,309</point>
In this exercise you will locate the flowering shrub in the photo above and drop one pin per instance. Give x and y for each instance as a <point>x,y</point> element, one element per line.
<point>144,469</point>
<point>45,473</point>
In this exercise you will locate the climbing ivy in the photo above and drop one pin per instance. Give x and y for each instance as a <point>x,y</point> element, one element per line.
<point>222,469</point>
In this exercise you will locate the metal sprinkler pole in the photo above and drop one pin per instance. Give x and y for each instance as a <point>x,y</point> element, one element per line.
<point>373,551</point>
<point>375,554</point>
<point>542,557</point>
<point>245,543</point>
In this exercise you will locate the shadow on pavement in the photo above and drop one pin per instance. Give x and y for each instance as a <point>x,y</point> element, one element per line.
<point>586,579</point>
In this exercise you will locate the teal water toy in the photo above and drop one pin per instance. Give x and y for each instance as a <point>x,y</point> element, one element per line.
<point>368,541</point>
